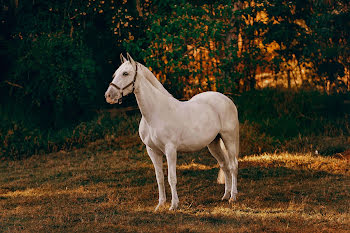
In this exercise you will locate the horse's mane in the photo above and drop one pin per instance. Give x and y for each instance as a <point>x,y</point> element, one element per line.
<point>153,80</point>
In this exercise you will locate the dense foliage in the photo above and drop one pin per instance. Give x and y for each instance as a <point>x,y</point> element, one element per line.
<point>235,45</point>
<point>56,74</point>
<point>192,46</point>
<point>57,58</point>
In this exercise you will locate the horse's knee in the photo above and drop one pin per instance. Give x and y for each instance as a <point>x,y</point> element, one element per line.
<point>223,165</point>
<point>172,180</point>
<point>233,169</point>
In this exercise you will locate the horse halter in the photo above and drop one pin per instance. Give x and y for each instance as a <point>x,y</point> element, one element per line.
<point>122,89</point>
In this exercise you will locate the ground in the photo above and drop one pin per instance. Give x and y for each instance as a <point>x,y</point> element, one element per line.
<point>110,186</point>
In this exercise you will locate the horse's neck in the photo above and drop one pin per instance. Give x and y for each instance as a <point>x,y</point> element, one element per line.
<point>153,80</point>
<point>152,102</point>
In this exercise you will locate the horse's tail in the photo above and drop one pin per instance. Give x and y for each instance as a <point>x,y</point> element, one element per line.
<point>221,176</point>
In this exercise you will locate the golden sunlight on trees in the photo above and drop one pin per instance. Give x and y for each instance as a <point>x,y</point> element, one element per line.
<point>223,45</point>
<point>238,45</point>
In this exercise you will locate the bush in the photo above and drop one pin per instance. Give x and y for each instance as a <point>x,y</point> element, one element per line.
<point>254,141</point>
<point>287,113</point>
<point>57,76</point>
<point>322,145</point>
<point>19,140</point>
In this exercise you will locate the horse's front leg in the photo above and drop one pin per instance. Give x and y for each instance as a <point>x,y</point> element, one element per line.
<point>171,154</point>
<point>157,160</point>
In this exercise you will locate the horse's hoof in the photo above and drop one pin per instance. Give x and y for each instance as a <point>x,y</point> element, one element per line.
<point>173,207</point>
<point>159,206</point>
<point>232,199</point>
<point>225,197</point>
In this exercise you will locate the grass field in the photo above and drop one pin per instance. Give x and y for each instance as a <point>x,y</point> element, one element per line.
<point>110,186</point>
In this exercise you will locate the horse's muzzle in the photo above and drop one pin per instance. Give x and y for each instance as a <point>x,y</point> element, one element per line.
<point>112,97</point>
<point>114,100</point>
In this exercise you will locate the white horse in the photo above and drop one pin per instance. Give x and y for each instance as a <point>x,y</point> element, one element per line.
<point>169,125</point>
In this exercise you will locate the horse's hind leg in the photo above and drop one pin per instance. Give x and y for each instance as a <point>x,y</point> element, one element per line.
<point>231,141</point>
<point>218,153</point>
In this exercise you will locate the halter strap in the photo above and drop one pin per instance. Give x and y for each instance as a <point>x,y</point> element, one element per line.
<point>131,83</point>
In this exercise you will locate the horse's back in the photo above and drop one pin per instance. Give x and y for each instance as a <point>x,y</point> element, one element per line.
<point>223,105</point>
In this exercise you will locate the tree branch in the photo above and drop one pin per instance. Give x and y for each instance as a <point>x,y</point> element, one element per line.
<point>13,84</point>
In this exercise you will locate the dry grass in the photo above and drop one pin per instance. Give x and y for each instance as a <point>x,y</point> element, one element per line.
<point>110,186</point>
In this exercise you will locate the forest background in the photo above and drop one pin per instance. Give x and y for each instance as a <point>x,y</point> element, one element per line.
<point>285,64</point>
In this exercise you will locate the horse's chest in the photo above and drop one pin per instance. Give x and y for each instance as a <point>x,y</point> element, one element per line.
<point>152,138</point>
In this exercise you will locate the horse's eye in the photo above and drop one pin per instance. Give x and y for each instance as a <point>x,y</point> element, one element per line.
<point>125,73</point>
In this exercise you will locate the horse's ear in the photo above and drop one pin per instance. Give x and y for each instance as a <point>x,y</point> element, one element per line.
<point>122,58</point>
<point>133,63</point>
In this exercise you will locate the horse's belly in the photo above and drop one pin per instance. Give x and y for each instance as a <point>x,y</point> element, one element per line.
<point>190,129</point>
<point>198,134</point>
<point>196,141</point>
<point>192,147</point>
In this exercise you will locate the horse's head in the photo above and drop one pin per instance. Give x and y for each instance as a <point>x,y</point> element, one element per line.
<point>123,82</point>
